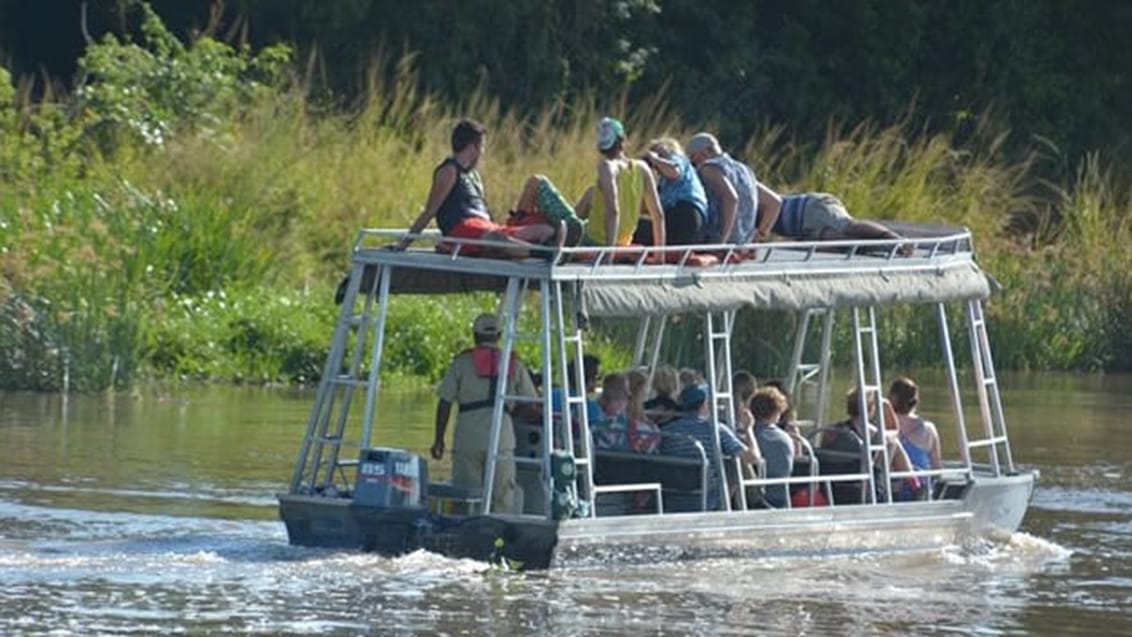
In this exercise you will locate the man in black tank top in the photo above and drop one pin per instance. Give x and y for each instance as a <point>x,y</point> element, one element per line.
<point>457,201</point>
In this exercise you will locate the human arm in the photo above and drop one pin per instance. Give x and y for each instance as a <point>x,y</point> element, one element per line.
<point>666,167</point>
<point>770,204</point>
<point>608,187</point>
<point>654,209</point>
<point>747,449</point>
<point>718,185</point>
<point>935,452</point>
<point>443,411</point>
<point>442,183</point>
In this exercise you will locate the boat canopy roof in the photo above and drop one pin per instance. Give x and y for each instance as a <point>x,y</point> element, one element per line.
<point>638,281</point>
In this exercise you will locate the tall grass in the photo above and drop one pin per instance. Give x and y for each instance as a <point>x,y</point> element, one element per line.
<point>213,254</point>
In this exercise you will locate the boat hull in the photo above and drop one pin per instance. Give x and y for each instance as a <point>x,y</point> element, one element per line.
<point>990,507</point>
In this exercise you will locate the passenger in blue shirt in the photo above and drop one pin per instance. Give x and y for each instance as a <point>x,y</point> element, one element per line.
<point>696,425</point>
<point>591,369</point>
<point>681,194</point>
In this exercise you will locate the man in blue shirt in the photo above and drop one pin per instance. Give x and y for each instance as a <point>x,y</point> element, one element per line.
<point>696,424</point>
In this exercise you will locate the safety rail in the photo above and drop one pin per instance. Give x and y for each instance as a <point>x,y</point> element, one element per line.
<point>729,256</point>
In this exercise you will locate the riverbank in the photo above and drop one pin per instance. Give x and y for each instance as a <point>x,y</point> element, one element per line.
<point>196,229</point>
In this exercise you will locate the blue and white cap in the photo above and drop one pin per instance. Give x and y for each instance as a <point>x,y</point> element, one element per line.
<point>609,130</point>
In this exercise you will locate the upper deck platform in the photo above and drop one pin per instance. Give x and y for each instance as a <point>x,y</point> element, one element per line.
<point>647,281</point>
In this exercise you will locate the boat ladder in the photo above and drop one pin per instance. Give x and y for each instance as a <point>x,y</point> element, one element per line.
<point>717,358</point>
<point>870,391</point>
<point>360,318</point>
<point>995,441</point>
<point>802,372</point>
<point>574,395</point>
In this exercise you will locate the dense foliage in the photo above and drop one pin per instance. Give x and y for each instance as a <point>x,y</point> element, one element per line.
<point>186,210</point>
<point>1054,69</point>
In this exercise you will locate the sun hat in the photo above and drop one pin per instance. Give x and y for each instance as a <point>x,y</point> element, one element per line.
<point>486,325</point>
<point>609,130</point>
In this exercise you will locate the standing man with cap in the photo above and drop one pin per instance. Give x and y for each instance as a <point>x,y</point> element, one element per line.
<point>471,383</point>
<point>624,186</point>
<point>740,209</point>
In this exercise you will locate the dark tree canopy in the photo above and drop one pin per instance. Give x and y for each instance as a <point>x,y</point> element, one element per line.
<point>1057,69</point>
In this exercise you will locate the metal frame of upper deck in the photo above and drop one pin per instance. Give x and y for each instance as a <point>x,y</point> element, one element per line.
<point>638,281</point>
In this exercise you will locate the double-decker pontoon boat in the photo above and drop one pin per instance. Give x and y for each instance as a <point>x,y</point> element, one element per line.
<point>580,502</point>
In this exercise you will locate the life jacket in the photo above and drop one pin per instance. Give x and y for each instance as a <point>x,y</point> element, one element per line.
<point>485,362</point>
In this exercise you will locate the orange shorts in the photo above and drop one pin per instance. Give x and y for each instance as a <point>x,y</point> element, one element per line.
<point>476,228</point>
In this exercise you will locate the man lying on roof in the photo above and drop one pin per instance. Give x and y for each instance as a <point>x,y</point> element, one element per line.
<point>819,216</point>
<point>741,209</point>
<point>457,201</point>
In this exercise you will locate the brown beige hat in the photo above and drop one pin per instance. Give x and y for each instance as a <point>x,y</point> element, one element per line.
<point>486,325</point>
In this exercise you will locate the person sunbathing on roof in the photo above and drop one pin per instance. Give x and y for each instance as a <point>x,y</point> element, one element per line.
<point>819,216</point>
<point>456,199</point>
<point>624,186</point>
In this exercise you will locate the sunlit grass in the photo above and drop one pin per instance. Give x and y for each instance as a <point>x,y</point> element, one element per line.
<point>117,267</point>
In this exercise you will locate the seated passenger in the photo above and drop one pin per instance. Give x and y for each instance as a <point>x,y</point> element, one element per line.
<point>591,369</point>
<point>777,448</point>
<point>918,436</point>
<point>788,421</point>
<point>743,386</point>
<point>456,199</point>
<point>740,208</point>
<point>612,430</point>
<point>624,187</point>
<point>848,435</point>
<point>689,377</point>
<point>698,424</point>
<point>644,436</point>
<point>663,408</point>
<point>681,195</point>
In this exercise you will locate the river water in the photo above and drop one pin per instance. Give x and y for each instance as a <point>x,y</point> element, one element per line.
<point>154,515</point>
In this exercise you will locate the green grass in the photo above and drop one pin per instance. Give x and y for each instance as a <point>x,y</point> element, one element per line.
<point>213,254</point>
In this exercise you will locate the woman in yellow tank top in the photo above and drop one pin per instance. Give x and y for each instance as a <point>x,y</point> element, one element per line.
<point>624,186</point>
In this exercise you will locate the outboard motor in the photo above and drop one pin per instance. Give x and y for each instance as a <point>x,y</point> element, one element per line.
<point>390,502</point>
<point>391,479</point>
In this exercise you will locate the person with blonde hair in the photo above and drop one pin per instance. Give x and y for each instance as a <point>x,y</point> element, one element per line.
<point>663,407</point>
<point>681,195</point>
<point>644,436</point>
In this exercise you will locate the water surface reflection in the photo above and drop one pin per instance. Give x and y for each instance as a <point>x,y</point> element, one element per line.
<point>155,515</point>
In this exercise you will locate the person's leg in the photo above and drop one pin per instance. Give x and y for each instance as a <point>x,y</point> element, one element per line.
<point>503,487</point>
<point>553,206</point>
<point>683,224</point>
<point>467,469</point>
<point>826,219</point>
<point>528,197</point>
<point>643,234</point>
